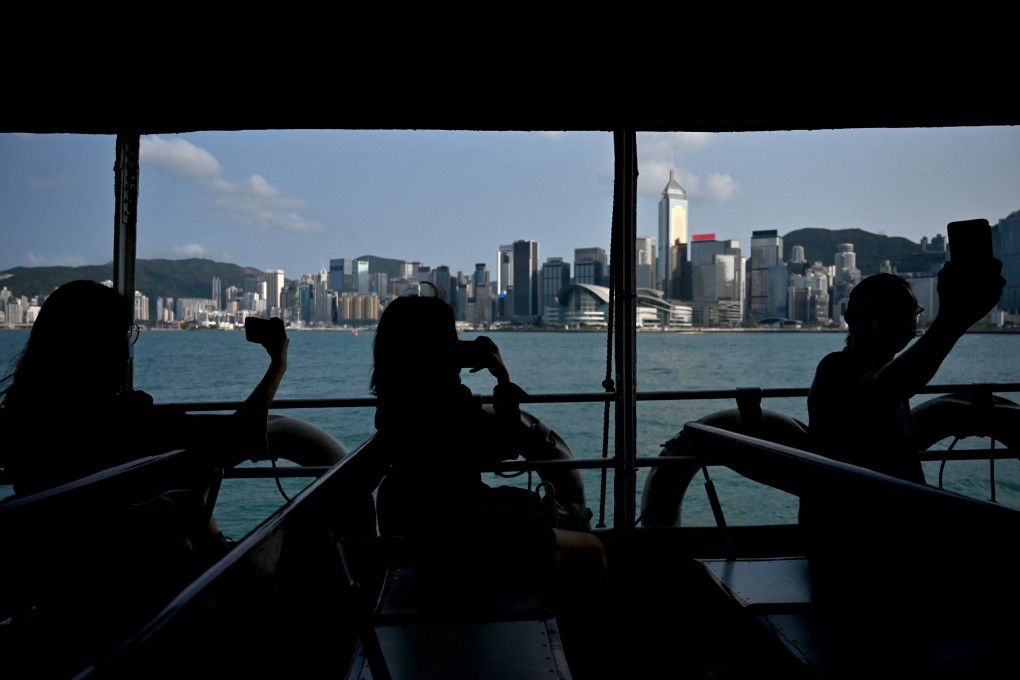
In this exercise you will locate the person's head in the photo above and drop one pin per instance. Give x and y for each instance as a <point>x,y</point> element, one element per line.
<point>882,313</point>
<point>415,345</point>
<point>79,343</point>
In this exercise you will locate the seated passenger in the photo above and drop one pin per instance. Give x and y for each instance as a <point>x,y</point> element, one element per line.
<point>65,414</point>
<point>436,438</point>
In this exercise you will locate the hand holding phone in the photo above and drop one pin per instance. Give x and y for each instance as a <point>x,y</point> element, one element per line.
<point>970,243</point>
<point>260,330</point>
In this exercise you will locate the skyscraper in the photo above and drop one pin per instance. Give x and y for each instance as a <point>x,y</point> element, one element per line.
<point>504,269</point>
<point>323,306</point>
<point>361,281</point>
<point>672,230</point>
<point>767,281</point>
<point>217,292</point>
<point>525,283</point>
<point>846,276</point>
<point>555,275</point>
<point>337,269</point>
<point>1006,247</point>
<point>591,266</point>
<point>483,296</point>
<point>445,282</point>
<point>274,284</point>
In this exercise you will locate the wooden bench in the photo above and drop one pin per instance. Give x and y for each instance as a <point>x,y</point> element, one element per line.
<point>922,568</point>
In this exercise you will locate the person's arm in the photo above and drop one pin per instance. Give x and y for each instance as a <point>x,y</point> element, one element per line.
<point>254,412</point>
<point>965,297</point>
<point>506,399</point>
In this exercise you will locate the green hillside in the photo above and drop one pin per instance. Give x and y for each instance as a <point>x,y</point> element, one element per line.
<point>190,278</point>
<point>871,250</point>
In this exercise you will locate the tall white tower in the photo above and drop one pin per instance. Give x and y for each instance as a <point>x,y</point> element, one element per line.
<point>672,229</point>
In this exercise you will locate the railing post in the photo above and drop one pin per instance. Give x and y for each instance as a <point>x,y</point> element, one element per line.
<point>624,245</point>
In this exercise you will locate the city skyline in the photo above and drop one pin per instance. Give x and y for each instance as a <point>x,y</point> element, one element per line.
<point>268,199</point>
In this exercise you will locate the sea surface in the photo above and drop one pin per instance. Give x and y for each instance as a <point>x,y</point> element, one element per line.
<point>195,366</point>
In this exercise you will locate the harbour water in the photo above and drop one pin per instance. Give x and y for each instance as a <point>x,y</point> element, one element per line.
<point>177,366</point>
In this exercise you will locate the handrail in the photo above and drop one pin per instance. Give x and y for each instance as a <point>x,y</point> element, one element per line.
<point>592,397</point>
<point>640,462</point>
<point>612,461</point>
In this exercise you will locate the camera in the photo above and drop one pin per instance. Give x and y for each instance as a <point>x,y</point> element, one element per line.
<point>471,354</point>
<point>970,243</point>
<point>257,330</point>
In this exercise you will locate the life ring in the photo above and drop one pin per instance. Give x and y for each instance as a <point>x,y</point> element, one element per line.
<point>960,416</point>
<point>303,443</point>
<point>665,486</point>
<point>543,443</point>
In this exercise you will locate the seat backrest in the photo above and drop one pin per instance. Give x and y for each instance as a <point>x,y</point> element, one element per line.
<point>88,560</point>
<point>887,535</point>
<point>278,603</point>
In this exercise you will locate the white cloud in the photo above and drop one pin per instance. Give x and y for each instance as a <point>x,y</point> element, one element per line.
<point>662,152</point>
<point>721,188</point>
<point>179,158</point>
<point>60,261</point>
<point>253,202</point>
<point>190,250</point>
<point>260,203</point>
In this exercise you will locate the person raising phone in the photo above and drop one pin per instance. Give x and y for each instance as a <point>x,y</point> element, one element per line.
<point>858,402</point>
<point>66,413</point>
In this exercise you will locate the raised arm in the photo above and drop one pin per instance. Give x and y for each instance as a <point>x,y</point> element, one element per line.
<point>965,297</point>
<point>254,412</point>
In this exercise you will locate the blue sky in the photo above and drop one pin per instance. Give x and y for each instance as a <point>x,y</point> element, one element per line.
<point>293,200</point>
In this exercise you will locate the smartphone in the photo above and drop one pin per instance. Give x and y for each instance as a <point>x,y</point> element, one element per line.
<point>256,330</point>
<point>970,243</point>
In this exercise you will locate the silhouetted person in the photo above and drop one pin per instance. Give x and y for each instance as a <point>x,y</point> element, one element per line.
<point>859,413</point>
<point>437,437</point>
<point>65,414</point>
<point>858,404</point>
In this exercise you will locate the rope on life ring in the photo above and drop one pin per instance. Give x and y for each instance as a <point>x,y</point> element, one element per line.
<point>543,443</point>
<point>308,445</point>
<point>665,486</point>
<point>967,415</point>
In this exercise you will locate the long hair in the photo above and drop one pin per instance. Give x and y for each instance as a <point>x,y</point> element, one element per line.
<point>78,348</point>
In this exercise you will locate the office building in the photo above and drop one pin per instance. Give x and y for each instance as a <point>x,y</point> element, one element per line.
<point>591,266</point>
<point>672,231</point>
<point>645,265</point>
<point>525,281</point>
<point>555,276</point>
<point>767,280</point>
